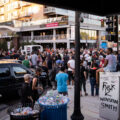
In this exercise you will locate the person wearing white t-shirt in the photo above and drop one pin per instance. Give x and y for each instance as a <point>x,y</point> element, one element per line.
<point>71,69</point>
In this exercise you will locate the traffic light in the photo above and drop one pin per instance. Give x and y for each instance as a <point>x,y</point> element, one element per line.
<point>112,29</point>
<point>102,23</point>
<point>116,28</point>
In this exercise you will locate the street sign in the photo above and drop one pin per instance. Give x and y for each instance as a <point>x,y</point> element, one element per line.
<point>109,95</point>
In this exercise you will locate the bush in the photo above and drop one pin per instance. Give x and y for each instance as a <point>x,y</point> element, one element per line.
<point>3,45</point>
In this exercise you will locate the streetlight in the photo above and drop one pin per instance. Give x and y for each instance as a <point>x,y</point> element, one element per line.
<point>77,115</point>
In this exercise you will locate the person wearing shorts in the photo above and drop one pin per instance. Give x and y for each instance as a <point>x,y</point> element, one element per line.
<point>109,65</point>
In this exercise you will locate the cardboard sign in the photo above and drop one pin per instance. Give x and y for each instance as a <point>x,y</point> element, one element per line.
<point>109,95</point>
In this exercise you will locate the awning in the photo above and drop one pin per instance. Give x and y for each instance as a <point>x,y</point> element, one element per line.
<point>98,7</point>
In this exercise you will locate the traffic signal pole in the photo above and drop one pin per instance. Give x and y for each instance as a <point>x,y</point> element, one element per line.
<point>77,115</point>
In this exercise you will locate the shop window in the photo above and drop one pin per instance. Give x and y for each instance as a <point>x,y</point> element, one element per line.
<point>88,34</point>
<point>4,72</point>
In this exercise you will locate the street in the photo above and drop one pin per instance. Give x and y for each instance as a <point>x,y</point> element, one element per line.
<point>4,105</point>
<point>89,105</point>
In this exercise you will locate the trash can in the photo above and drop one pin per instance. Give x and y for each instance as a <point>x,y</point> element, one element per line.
<point>14,112</point>
<point>54,112</point>
<point>54,105</point>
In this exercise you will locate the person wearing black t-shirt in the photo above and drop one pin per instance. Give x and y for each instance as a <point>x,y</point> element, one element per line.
<point>83,78</point>
<point>93,79</point>
<point>35,85</point>
<point>26,92</point>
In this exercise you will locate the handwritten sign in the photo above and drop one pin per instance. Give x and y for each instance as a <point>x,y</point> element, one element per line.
<point>109,95</point>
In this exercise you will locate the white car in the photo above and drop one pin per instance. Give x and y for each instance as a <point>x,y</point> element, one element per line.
<point>29,48</point>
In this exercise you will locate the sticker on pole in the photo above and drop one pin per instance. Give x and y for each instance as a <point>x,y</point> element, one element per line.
<point>109,95</point>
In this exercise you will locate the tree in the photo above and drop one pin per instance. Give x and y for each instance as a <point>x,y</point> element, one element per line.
<point>84,35</point>
<point>3,45</point>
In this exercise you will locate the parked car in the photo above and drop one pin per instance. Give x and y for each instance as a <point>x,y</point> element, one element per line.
<point>12,77</point>
<point>11,60</point>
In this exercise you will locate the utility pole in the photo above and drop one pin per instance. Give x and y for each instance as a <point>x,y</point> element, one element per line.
<point>77,115</point>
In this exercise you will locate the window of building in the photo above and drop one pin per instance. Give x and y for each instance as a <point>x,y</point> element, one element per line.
<point>6,1</point>
<point>2,10</point>
<point>30,11</point>
<point>2,18</point>
<point>15,14</point>
<point>2,1</point>
<point>103,35</point>
<point>15,4</point>
<point>9,16</point>
<point>19,71</point>
<point>8,7</point>
<point>4,72</point>
<point>88,34</point>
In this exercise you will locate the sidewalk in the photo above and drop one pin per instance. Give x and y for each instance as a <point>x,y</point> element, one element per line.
<point>89,105</point>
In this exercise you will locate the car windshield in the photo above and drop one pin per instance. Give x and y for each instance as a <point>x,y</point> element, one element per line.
<point>35,48</point>
<point>19,70</point>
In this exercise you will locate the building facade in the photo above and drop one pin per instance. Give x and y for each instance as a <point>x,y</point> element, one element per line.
<point>49,26</point>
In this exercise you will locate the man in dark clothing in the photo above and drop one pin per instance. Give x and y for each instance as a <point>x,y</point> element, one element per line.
<point>53,73</point>
<point>49,62</point>
<point>93,79</point>
<point>83,78</point>
<point>36,85</point>
<point>26,92</point>
<point>22,57</point>
<point>66,58</point>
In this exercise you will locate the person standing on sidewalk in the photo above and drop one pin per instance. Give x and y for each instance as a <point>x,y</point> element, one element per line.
<point>62,79</point>
<point>26,62</point>
<point>93,79</point>
<point>26,92</point>
<point>36,85</point>
<point>71,69</point>
<point>34,58</point>
<point>83,78</point>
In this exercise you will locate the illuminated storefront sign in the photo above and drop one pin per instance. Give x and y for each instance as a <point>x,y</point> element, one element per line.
<point>52,24</point>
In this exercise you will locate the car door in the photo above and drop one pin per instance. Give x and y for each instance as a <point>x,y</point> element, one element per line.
<point>5,79</point>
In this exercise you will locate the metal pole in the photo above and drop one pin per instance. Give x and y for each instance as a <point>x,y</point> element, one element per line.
<point>119,101</point>
<point>77,115</point>
<point>117,33</point>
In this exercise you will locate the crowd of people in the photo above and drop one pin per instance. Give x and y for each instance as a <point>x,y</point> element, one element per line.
<point>60,66</point>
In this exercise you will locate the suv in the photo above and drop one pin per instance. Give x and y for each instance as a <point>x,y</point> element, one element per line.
<point>12,76</point>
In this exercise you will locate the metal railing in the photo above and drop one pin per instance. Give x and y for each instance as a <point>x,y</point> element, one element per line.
<point>61,36</point>
<point>43,37</point>
<point>49,9</point>
<point>46,37</point>
<point>26,38</point>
